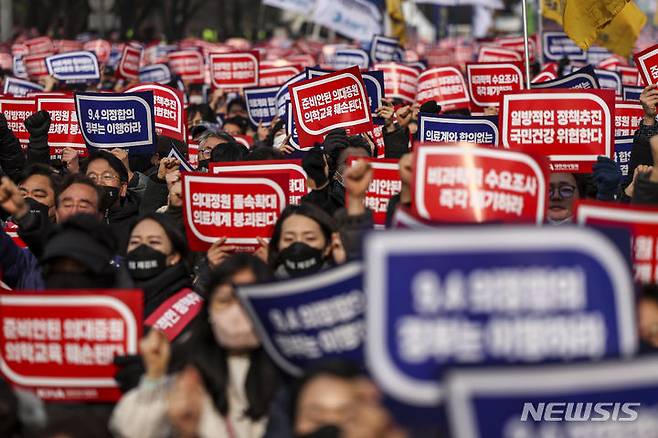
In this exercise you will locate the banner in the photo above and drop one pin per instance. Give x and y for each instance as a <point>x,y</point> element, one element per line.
<point>498,54</point>
<point>384,49</point>
<point>337,100</point>
<point>234,70</point>
<point>303,7</point>
<point>239,208</point>
<point>481,130</point>
<point>308,319</point>
<point>64,126</point>
<point>61,344</point>
<point>19,87</point>
<point>277,76</point>
<point>293,168</point>
<point>609,80</point>
<point>101,49</point>
<point>188,64</point>
<point>261,104</point>
<point>585,78</point>
<point>384,185</point>
<point>117,120</point>
<point>346,58</point>
<point>557,45</point>
<point>35,66</point>
<point>647,64</point>
<point>466,184</point>
<point>16,110</point>
<point>168,110</point>
<point>631,93</point>
<point>610,399</point>
<point>623,148</point>
<point>158,73</point>
<point>628,116</point>
<point>487,81</point>
<point>74,67</point>
<point>571,128</point>
<point>642,222</point>
<point>356,19</point>
<point>399,81</point>
<point>131,57</point>
<point>375,89</point>
<point>446,86</point>
<point>490,294</point>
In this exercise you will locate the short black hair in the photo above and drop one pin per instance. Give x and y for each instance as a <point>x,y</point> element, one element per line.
<point>44,170</point>
<point>232,265</point>
<point>176,237</point>
<point>262,153</point>
<point>240,122</point>
<point>78,178</point>
<point>113,161</point>
<point>228,152</point>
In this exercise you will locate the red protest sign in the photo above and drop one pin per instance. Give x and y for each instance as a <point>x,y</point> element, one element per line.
<point>304,59</point>
<point>168,109</point>
<point>466,183</point>
<point>445,85</point>
<point>612,63</point>
<point>629,75</point>
<point>570,127</point>
<point>101,48</point>
<point>131,58</point>
<point>642,222</point>
<point>61,344</point>
<point>271,77</point>
<point>18,49</point>
<point>188,64</point>
<point>438,56</point>
<point>647,63</point>
<point>16,110</point>
<point>384,185</point>
<point>628,116</point>
<point>6,61</point>
<point>487,81</point>
<point>192,152</point>
<point>518,45</point>
<point>40,46</point>
<point>35,65</point>
<point>239,208</point>
<point>64,46</point>
<point>64,127</point>
<point>336,100</point>
<point>297,185</point>
<point>399,81</point>
<point>234,70</point>
<point>498,54</point>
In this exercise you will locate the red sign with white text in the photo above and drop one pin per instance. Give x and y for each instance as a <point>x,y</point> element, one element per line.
<point>572,128</point>
<point>518,45</point>
<point>642,222</point>
<point>188,64</point>
<point>61,344</point>
<point>275,76</point>
<point>487,81</point>
<point>466,184</point>
<point>628,116</point>
<point>239,208</point>
<point>384,185</point>
<point>498,54</point>
<point>399,81</point>
<point>16,110</point>
<point>35,65</point>
<point>168,109</point>
<point>64,46</point>
<point>304,59</point>
<point>445,85</point>
<point>101,48</point>
<point>40,46</point>
<point>336,100</point>
<point>629,75</point>
<point>131,57</point>
<point>234,70</point>
<point>647,64</point>
<point>64,127</point>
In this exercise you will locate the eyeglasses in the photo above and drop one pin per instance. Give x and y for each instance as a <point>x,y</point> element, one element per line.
<point>106,177</point>
<point>565,191</point>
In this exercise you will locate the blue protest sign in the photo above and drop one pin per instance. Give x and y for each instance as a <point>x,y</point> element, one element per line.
<point>283,96</point>
<point>496,295</point>
<point>346,58</point>
<point>596,54</point>
<point>557,45</point>
<point>110,120</point>
<point>631,93</point>
<point>158,73</point>
<point>115,56</point>
<point>291,129</point>
<point>384,49</point>
<point>78,66</point>
<point>315,72</point>
<point>585,78</point>
<point>623,148</point>
<point>374,82</point>
<point>614,399</point>
<point>307,319</point>
<point>19,68</point>
<point>609,80</point>
<point>19,87</point>
<point>452,129</point>
<point>261,104</point>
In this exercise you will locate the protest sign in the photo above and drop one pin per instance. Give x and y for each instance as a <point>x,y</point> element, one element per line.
<point>74,67</point>
<point>316,317</point>
<point>131,58</point>
<point>647,64</point>
<point>384,185</point>
<point>6,61</point>
<point>374,82</point>
<point>557,45</point>
<point>302,59</point>
<point>611,399</point>
<point>623,148</point>
<point>584,78</point>
<point>517,43</point>
<point>473,295</point>
<point>641,221</point>
<point>158,73</point>
<point>612,63</point>
<point>628,116</point>
<point>167,109</point>
<point>399,81</point>
<point>470,184</point>
<point>19,87</point>
<point>296,173</point>
<point>111,120</point>
<point>283,95</point>
<point>445,85</point>
<point>64,125</point>
<point>16,110</point>
<point>19,49</point>
<point>609,80</point>
<point>188,64</point>
<point>40,45</point>
<point>631,93</point>
<point>337,100</point>
<point>346,58</point>
<point>101,49</point>
<point>544,76</point>
<point>630,76</point>
<point>61,344</point>
<point>239,208</point>
<point>261,104</point>
<point>185,165</point>
<point>303,7</point>
<point>234,70</point>
<point>277,76</point>
<point>571,128</point>
<point>385,49</point>
<point>452,129</point>
<point>18,68</point>
<point>487,81</point>
<point>498,54</point>
<point>192,152</point>
<point>35,66</point>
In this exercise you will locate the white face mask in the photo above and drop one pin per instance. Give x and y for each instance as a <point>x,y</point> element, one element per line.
<point>278,139</point>
<point>197,99</point>
<point>233,329</point>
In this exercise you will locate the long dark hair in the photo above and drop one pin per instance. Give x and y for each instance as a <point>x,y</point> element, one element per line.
<point>211,359</point>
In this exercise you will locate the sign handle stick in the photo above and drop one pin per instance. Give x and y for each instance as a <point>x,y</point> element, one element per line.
<point>540,31</point>
<point>525,43</point>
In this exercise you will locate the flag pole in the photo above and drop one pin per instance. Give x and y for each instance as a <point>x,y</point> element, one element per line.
<point>525,43</point>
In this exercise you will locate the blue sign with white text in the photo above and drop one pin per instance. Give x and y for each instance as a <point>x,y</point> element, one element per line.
<point>307,319</point>
<point>158,73</point>
<point>585,78</point>
<point>78,66</point>
<point>346,58</point>
<point>631,93</point>
<point>261,104</point>
<point>19,87</point>
<point>283,95</point>
<point>609,80</point>
<point>385,49</point>
<point>374,82</point>
<point>558,45</point>
<point>623,148</point>
<point>453,129</point>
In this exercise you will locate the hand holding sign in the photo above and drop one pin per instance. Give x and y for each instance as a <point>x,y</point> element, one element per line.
<point>218,252</point>
<point>167,165</point>
<point>11,199</point>
<point>649,99</point>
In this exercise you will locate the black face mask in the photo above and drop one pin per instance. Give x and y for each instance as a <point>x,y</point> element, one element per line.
<point>75,280</point>
<point>323,432</point>
<point>109,196</point>
<point>145,262</point>
<point>301,259</point>
<point>204,164</point>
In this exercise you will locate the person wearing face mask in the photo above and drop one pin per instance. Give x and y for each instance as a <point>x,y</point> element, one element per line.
<point>564,190</point>
<point>218,382</point>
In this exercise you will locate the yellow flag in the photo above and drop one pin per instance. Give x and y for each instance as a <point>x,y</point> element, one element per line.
<point>583,19</point>
<point>620,35</point>
<point>398,25</point>
<point>552,9</point>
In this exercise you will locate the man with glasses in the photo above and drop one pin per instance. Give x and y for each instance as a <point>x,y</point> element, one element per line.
<point>563,192</point>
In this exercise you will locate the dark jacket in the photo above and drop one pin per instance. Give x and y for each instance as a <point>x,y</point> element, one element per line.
<point>330,198</point>
<point>351,230</point>
<point>12,160</point>
<point>20,269</point>
<point>645,191</point>
<point>121,218</point>
<point>163,286</point>
<point>396,143</point>
<point>155,195</point>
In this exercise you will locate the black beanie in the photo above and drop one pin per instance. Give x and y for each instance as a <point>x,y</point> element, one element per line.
<point>313,164</point>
